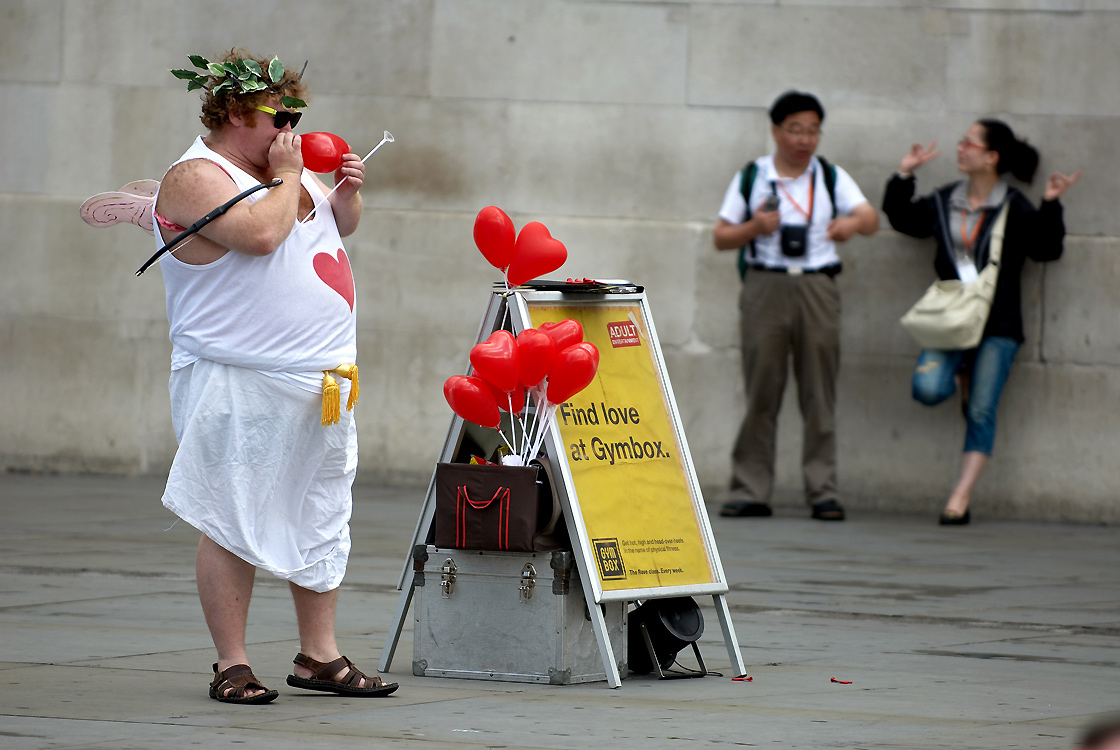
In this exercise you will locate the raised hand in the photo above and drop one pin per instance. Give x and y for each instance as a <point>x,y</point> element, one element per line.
<point>1058,183</point>
<point>917,156</point>
<point>349,176</point>
<point>767,222</point>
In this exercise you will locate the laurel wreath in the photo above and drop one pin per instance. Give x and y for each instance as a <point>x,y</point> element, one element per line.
<point>239,77</point>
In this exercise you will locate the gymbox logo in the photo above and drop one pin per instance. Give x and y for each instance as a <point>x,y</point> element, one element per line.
<point>624,333</point>
<point>609,559</point>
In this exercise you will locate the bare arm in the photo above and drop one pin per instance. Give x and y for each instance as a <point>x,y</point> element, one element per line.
<point>194,188</point>
<point>728,236</point>
<point>346,201</point>
<point>863,219</point>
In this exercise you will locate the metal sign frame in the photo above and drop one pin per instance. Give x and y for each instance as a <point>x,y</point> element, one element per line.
<point>514,307</point>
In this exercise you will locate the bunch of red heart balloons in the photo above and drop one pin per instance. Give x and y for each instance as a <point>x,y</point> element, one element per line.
<point>551,363</point>
<point>521,256</point>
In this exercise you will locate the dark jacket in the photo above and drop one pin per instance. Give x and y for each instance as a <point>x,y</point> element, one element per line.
<point>1030,233</point>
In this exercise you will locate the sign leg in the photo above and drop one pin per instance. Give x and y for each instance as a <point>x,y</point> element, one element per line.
<point>602,638</point>
<point>729,635</point>
<point>394,635</point>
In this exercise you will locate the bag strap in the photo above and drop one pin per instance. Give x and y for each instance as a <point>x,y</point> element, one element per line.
<point>829,181</point>
<point>995,245</point>
<point>549,529</point>
<point>746,184</point>
<point>500,493</point>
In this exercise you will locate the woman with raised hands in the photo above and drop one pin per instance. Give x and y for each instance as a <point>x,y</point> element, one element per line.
<point>961,216</point>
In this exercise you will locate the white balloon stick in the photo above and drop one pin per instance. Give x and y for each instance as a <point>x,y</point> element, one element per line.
<point>388,138</point>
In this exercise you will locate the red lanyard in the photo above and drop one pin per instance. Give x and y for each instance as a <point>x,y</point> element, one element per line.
<point>812,185</point>
<point>966,239</point>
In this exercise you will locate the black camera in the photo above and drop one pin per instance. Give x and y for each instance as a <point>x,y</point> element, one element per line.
<point>795,240</point>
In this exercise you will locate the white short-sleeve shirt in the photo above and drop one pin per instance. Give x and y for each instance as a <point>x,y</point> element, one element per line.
<point>821,250</point>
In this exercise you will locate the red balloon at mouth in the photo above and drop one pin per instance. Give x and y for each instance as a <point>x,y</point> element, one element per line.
<point>322,152</point>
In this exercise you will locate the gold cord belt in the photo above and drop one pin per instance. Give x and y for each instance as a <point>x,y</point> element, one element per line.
<point>331,400</point>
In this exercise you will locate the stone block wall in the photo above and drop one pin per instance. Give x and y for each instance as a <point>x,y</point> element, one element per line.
<point>617,124</point>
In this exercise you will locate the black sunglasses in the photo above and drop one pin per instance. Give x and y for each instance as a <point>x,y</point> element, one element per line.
<point>281,118</point>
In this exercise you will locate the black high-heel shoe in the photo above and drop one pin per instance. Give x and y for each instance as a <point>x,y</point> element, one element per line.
<point>949,518</point>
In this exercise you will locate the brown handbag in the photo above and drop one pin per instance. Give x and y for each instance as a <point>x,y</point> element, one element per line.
<point>486,507</point>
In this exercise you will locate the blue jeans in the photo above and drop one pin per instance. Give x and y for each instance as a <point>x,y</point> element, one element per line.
<point>990,363</point>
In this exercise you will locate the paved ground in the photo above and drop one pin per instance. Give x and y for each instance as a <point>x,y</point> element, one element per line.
<point>998,635</point>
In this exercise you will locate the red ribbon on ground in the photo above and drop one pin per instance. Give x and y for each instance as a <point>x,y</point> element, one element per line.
<point>842,682</point>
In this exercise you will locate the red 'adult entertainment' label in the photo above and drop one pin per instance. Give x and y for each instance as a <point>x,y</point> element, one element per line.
<point>623,333</point>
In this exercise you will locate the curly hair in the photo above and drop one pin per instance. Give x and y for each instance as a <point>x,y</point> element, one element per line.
<point>216,109</point>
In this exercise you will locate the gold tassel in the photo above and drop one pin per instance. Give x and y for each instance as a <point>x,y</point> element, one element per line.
<point>350,372</point>
<point>330,399</point>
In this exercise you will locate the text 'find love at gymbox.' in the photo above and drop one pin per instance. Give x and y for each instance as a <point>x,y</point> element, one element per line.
<point>610,451</point>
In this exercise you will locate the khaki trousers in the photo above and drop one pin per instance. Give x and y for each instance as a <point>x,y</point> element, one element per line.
<point>783,316</point>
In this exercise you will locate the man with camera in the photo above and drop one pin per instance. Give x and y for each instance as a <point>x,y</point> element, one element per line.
<point>785,213</point>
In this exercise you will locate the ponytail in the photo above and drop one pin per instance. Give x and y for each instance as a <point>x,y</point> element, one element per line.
<point>1015,156</point>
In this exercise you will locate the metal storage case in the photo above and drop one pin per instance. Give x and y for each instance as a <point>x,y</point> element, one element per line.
<point>514,616</point>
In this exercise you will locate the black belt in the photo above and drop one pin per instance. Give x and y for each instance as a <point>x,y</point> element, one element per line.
<point>829,271</point>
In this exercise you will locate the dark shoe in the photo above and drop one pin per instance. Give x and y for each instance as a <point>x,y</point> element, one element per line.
<point>323,678</point>
<point>232,685</point>
<point>828,510</point>
<point>744,508</point>
<point>952,518</point>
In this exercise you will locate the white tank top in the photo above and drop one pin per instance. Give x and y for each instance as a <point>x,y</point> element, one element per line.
<point>290,314</point>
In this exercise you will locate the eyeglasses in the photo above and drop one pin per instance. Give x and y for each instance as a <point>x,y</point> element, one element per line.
<point>281,118</point>
<point>965,143</point>
<point>797,132</point>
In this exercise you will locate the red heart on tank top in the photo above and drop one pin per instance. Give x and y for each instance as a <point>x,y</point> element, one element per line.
<point>336,274</point>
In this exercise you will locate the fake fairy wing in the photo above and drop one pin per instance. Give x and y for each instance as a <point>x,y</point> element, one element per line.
<point>132,203</point>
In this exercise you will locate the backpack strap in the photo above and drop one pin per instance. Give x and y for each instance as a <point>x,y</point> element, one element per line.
<point>746,184</point>
<point>829,181</point>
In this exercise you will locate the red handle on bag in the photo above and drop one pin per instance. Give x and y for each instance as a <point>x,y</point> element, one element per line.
<point>480,505</point>
<point>501,495</point>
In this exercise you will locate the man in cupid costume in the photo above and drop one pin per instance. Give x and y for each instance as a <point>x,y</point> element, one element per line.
<point>261,308</point>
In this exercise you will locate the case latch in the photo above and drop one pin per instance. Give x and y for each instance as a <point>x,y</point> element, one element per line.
<point>528,581</point>
<point>447,580</point>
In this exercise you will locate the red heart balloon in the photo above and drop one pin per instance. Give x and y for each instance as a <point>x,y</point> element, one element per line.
<point>573,370</point>
<point>322,152</point>
<point>471,399</point>
<point>494,235</point>
<point>563,334</point>
<point>535,353</point>
<point>535,253</point>
<point>505,398</point>
<point>495,359</point>
<point>591,348</point>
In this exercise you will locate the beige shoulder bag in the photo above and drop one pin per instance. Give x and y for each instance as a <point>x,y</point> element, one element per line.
<point>952,314</point>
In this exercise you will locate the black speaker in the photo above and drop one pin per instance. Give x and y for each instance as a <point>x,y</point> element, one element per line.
<point>670,624</point>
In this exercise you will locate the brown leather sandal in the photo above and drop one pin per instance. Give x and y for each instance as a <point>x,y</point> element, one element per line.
<point>350,683</point>
<point>233,684</point>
